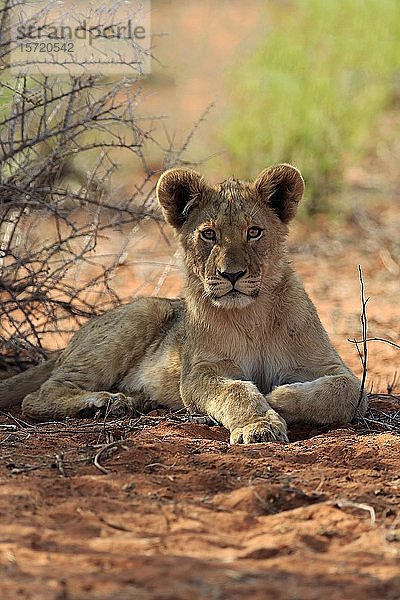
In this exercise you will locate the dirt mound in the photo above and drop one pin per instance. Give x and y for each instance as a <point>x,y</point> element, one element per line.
<point>172,511</point>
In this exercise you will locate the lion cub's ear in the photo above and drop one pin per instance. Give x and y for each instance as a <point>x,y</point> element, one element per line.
<point>282,187</point>
<point>178,191</point>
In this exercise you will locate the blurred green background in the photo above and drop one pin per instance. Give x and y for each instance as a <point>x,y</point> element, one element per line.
<point>312,91</point>
<point>312,82</point>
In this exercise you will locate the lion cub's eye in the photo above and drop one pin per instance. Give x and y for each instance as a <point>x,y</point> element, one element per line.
<point>254,233</point>
<point>209,234</point>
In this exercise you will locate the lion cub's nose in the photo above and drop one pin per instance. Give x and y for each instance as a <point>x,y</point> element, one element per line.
<point>232,277</point>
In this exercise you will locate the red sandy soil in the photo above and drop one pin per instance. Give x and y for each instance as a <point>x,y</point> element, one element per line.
<point>173,512</point>
<point>181,514</point>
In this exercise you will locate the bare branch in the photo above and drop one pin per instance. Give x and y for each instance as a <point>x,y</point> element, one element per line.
<point>363,354</point>
<point>60,139</point>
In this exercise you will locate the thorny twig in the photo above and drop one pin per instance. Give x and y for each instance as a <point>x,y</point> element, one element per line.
<point>364,328</point>
<point>364,353</point>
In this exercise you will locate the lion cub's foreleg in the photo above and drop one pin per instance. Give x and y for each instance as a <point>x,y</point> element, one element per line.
<point>326,400</point>
<point>54,401</point>
<point>218,389</point>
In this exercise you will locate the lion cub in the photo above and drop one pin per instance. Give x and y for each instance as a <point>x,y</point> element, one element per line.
<point>245,345</point>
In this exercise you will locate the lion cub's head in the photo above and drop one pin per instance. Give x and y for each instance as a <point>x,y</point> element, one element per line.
<point>232,234</point>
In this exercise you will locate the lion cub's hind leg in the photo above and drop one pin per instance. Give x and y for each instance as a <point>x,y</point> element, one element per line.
<point>58,402</point>
<point>89,371</point>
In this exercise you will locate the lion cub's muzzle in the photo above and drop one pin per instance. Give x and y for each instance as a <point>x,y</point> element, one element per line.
<point>227,288</point>
<point>232,277</point>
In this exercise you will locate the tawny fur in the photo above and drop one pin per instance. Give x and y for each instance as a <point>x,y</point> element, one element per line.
<point>245,345</point>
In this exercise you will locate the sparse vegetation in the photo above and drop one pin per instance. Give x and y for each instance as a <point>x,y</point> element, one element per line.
<point>311,94</point>
<point>61,139</point>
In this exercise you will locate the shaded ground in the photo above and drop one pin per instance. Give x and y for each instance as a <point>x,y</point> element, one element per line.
<point>171,511</point>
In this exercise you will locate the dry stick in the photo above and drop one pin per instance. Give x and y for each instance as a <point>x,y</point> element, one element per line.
<point>114,525</point>
<point>364,329</point>
<point>376,339</point>
<point>96,460</point>
<point>361,506</point>
<point>60,463</point>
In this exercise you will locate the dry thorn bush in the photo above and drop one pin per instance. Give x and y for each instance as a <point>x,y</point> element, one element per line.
<point>61,138</point>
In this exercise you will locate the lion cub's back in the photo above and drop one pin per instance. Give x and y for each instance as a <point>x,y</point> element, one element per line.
<point>124,333</point>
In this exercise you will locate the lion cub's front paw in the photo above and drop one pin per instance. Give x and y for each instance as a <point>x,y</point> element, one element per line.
<point>111,405</point>
<point>271,428</point>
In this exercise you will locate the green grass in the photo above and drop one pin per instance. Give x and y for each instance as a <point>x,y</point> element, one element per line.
<point>312,93</point>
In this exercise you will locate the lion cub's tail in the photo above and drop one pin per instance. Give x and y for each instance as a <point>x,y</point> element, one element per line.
<point>14,389</point>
